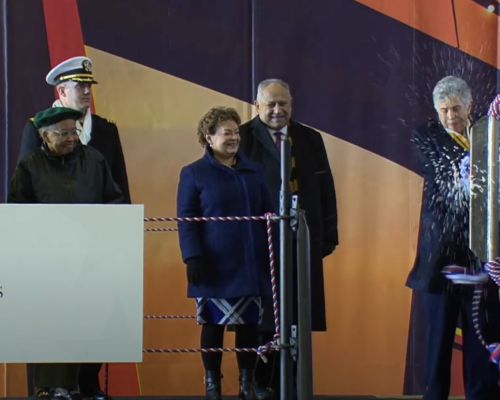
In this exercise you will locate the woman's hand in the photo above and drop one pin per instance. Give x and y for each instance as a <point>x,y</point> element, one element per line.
<point>194,271</point>
<point>462,276</point>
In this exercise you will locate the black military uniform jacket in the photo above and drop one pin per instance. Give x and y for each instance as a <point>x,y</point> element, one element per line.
<point>104,138</point>
<point>80,177</point>
<point>443,237</point>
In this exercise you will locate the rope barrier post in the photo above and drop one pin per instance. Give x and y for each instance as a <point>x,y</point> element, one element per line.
<point>492,189</point>
<point>304,367</point>
<point>286,278</point>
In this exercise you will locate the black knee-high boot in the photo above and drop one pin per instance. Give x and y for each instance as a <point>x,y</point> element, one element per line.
<point>247,336</point>
<point>212,336</point>
<point>213,385</point>
<point>247,385</point>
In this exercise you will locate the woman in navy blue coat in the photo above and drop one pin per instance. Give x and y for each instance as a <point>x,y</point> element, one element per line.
<point>227,261</point>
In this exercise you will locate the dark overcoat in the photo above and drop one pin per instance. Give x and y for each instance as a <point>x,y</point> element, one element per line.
<point>443,237</point>
<point>79,177</point>
<point>316,196</point>
<point>104,138</point>
<point>234,253</point>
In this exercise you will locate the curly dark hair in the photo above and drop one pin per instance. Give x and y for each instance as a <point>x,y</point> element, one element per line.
<point>208,123</point>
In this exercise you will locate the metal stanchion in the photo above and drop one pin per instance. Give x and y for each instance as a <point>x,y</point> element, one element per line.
<point>285,279</point>
<point>492,189</point>
<point>304,367</point>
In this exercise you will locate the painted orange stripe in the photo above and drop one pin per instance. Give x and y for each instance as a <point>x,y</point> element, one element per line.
<point>65,40</point>
<point>433,17</point>
<point>477,31</point>
<point>477,28</point>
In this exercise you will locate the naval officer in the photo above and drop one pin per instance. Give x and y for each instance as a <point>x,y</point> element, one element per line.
<point>73,80</point>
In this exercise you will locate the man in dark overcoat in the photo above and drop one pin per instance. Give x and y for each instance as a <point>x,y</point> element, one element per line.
<point>442,151</point>
<point>312,181</point>
<point>73,80</point>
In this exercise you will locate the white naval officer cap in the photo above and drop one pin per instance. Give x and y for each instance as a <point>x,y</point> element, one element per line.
<point>78,69</point>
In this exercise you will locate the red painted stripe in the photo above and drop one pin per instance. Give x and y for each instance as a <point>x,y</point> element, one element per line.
<point>64,31</point>
<point>122,380</point>
<point>457,382</point>
<point>65,40</point>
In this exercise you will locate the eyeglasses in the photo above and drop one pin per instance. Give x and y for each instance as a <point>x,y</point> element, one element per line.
<point>66,133</point>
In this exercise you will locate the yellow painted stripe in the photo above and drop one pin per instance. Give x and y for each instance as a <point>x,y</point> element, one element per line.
<point>458,332</point>
<point>138,378</point>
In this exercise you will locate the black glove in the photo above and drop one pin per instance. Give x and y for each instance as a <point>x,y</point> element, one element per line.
<point>194,270</point>
<point>328,248</point>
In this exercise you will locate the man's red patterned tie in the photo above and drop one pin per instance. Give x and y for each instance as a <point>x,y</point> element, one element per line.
<point>278,141</point>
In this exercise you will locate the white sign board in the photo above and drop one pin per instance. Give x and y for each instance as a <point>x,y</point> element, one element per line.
<point>71,278</point>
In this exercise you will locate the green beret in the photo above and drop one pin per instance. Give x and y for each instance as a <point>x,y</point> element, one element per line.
<point>53,115</point>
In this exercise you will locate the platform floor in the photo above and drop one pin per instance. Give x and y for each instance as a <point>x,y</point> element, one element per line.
<point>235,398</point>
<point>315,398</point>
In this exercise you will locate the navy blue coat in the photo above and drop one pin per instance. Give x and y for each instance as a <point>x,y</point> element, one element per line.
<point>235,253</point>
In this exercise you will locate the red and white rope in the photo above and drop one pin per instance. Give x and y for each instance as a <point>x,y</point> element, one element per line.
<point>169,317</point>
<point>206,219</point>
<point>494,108</point>
<point>260,351</point>
<point>493,269</point>
<point>476,301</point>
<point>268,347</point>
<point>460,275</point>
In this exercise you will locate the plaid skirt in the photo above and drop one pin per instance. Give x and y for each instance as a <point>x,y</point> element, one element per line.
<point>235,311</point>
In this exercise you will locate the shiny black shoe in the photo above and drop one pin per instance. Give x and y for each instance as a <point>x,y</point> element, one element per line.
<point>61,394</point>
<point>65,394</point>
<point>247,385</point>
<point>75,395</point>
<point>213,385</point>
<point>43,394</point>
<point>265,394</point>
<point>99,395</point>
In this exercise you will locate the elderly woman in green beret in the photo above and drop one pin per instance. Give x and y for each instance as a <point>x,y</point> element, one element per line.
<point>61,171</point>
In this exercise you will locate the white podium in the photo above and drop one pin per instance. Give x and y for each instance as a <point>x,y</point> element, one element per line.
<point>71,278</point>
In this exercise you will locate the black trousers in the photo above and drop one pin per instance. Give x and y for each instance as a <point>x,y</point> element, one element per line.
<point>61,375</point>
<point>88,379</point>
<point>442,312</point>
